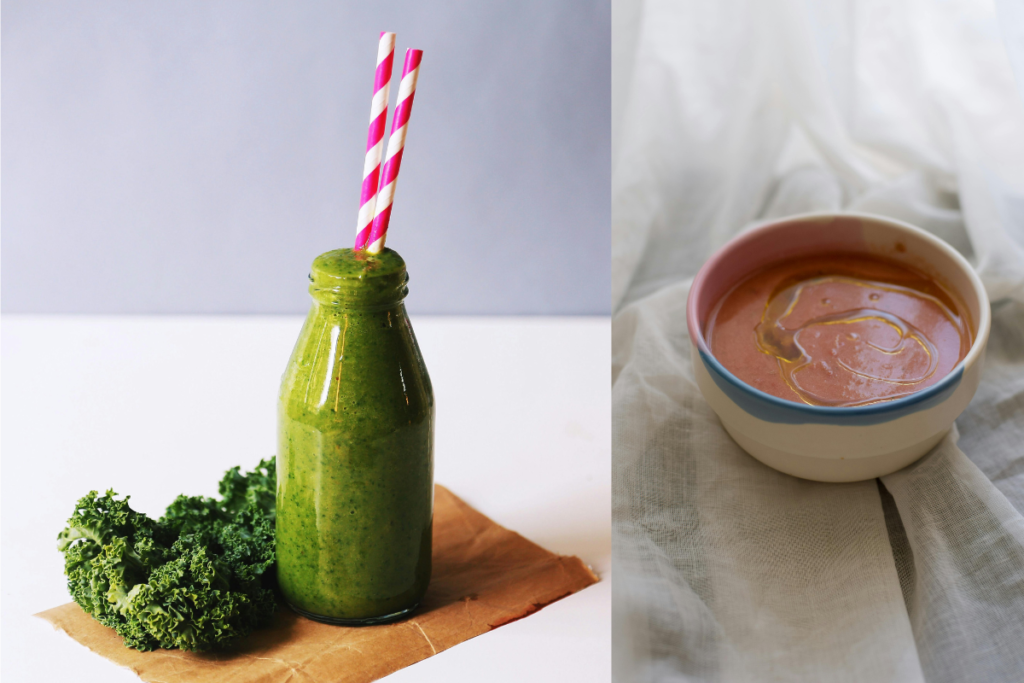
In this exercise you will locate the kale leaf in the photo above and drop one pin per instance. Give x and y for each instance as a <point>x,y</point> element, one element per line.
<point>199,578</point>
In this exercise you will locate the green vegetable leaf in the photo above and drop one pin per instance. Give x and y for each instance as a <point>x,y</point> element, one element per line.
<point>199,578</point>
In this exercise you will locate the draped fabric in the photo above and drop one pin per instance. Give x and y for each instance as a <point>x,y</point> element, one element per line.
<point>731,112</point>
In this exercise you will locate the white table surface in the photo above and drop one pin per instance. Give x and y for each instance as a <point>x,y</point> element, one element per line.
<point>157,406</point>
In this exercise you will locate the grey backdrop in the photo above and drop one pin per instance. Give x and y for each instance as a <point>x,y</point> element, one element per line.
<point>194,157</point>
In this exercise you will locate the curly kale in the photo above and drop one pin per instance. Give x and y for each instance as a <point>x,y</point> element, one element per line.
<point>198,579</point>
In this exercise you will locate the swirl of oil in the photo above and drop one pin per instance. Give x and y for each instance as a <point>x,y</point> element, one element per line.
<point>883,382</point>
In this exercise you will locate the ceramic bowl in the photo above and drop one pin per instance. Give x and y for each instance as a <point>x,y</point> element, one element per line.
<point>828,443</point>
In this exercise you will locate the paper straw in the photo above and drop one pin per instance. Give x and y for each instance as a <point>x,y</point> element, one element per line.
<point>399,126</point>
<point>375,137</point>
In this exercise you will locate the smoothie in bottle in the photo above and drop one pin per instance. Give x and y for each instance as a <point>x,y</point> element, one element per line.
<point>355,439</point>
<point>355,464</point>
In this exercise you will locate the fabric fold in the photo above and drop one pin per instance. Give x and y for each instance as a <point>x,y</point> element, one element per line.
<point>967,541</point>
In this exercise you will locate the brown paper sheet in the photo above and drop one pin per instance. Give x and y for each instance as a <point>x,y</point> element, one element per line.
<point>484,576</point>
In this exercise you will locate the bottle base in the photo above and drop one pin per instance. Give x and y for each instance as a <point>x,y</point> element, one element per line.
<point>366,621</point>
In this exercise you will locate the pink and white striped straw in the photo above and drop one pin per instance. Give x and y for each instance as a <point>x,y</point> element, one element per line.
<point>375,138</point>
<point>399,127</point>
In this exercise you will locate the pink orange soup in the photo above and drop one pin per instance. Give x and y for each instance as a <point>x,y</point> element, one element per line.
<point>839,330</point>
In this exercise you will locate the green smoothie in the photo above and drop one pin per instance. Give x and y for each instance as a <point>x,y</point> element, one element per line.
<point>355,448</point>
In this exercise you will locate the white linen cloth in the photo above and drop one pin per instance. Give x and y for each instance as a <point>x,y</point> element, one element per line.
<point>730,112</point>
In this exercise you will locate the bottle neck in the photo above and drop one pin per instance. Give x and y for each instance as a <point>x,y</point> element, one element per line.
<point>348,279</point>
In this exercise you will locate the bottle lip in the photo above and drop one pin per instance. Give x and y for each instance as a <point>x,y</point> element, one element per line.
<point>352,279</point>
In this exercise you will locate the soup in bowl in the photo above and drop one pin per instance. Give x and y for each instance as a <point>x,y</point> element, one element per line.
<point>837,347</point>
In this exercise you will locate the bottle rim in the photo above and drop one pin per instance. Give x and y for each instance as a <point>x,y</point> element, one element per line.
<point>351,279</point>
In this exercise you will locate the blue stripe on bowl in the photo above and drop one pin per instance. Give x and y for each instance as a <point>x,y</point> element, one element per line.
<point>773,409</point>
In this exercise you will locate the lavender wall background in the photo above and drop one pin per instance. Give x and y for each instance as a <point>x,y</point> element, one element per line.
<point>194,157</point>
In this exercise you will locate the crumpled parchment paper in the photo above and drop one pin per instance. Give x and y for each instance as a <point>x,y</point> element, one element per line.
<point>484,576</point>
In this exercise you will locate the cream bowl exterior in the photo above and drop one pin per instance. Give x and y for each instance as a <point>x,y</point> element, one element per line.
<point>826,443</point>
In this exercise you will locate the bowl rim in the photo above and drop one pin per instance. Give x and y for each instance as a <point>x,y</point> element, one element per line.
<point>954,375</point>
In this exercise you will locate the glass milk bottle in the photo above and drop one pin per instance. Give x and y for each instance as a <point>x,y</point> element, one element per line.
<point>355,448</point>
